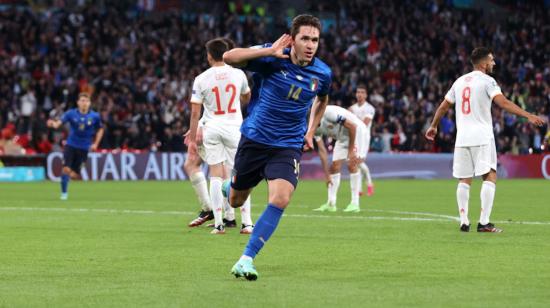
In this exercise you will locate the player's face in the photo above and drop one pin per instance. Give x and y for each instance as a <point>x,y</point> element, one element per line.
<point>83,104</point>
<point>305,43</point>
<point>490,63</point>
<point>361,95</point>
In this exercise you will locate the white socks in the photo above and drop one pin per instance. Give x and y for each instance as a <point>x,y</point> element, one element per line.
<point>366,172</point>
<point>198,180</point>
<point>245,213</point>
<point>228,210</point>
<point>355,183</point>
<point>333,189</point>
<point>217,199</point>
<point>462,197</point>
<point>487,197</point>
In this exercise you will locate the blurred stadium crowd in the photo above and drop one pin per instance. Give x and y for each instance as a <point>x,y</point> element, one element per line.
<point>140,66</point>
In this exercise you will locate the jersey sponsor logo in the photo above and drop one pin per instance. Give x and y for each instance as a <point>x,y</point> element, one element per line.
<point>314,84</point>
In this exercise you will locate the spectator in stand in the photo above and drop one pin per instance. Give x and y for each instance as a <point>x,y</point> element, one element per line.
<point>141,65</point>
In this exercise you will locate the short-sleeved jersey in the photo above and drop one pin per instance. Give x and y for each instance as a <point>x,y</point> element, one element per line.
<point>219,89</point>
<point>472,95</point>
<point>286,92</point>
<point>332,123</point>
<point>364,111</point>
<point>82,127</point>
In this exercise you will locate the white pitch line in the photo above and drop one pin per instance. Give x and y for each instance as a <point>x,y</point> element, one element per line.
<point>437,217</point>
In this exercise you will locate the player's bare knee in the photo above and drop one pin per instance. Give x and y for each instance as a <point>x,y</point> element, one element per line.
<point>236,201</point>
<point>280,201</point>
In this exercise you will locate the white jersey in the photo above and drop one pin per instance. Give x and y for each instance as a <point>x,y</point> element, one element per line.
<point>472,95</point>
<point>219,89</point>
<point>332,123</point>
<point>364,111</point>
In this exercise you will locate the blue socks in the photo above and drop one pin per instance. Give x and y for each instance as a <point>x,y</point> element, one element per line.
<point>64,182</point>
<point>265,226</point>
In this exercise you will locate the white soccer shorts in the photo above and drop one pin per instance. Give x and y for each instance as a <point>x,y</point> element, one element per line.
<point>474,161</point>
<point>361,146</point>
<point>220,143</point>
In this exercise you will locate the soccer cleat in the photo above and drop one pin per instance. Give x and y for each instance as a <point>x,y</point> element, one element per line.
<point>64,196</point>
<point>246,269</point>
<point>326,208</point>
<point>465,228</point>
<point>203,217</point>
<point>352,208</point>
<point>247,229</point>
<point>229,223</point>
<point>226,223</point>
<point>218,230</point>
<point>488,228</point>
<point>370,190</point>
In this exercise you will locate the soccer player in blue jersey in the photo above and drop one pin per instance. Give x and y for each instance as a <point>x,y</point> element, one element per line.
<point>273,135</point>
<point>84,124</point>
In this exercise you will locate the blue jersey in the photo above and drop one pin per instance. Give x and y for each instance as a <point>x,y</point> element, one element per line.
<point>285,94</point>
<point>82,128</point>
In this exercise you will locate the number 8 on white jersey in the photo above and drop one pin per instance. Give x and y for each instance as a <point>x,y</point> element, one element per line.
<point>473,95</point>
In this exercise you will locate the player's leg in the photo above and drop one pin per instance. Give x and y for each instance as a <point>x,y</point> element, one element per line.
<point>353,167</point>
<point>73,159</point>
<point>355,185</point>
<point>486,166</point>
<point>198,181</point>
<point>214,157</point>
<point>282,172</point>
<point>228,210</point>
<point>332,188</point>
<point>68,157</point>
<point>463,170</point>
<point>216,180</point>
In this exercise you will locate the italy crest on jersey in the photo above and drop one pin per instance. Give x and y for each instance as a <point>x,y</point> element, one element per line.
<point>314,84</point>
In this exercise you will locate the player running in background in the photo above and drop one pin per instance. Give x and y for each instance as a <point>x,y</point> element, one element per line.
<point>274,132</point>
<point>350,134</point>
<point>220,89</point>
<point>365,112</point>
<point>475,152</point>
<point>84,124</point>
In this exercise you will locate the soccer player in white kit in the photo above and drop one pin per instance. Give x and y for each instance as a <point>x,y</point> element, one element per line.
<point>350,134</point>
<point>475,151</point>
<point>365,112</point>
<point>220,89</point>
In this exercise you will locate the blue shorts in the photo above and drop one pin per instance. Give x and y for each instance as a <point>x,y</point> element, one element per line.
<point>256,161</point>
<point>74,158</point>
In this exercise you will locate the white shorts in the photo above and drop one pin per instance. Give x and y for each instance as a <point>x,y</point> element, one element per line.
<point>220,143</point>
<point>361,146</point>
<point>474,161</point>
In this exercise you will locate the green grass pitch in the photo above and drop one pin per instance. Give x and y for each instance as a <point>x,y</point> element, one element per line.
<point>127,244</point>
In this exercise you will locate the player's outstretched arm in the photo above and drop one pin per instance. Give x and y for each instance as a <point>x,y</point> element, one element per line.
<point>239,57</point>
<point>317,111</point>
<point>509,106</point>
<point>440,112</point>
<point>97,139</point>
